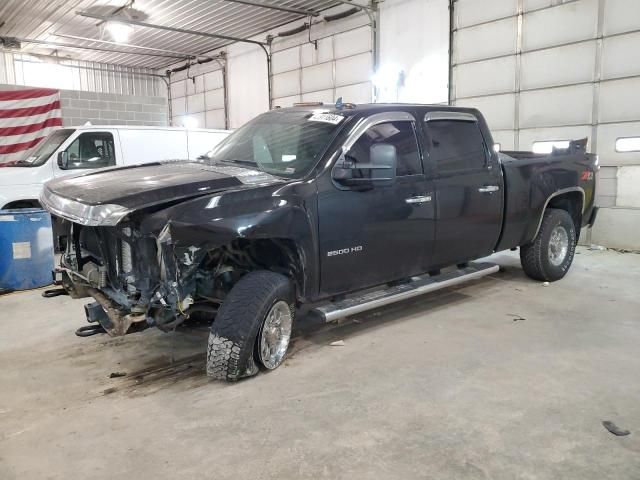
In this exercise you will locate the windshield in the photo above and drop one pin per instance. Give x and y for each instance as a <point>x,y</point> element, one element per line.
<point>42,152</point>
<point>284,143</point>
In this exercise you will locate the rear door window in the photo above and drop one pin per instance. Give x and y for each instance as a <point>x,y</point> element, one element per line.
<point>456,146</point>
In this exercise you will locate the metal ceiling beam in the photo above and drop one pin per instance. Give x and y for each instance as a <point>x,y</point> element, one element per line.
<point>353,4</point>
<point>299,11</point>
<point>170,29</point>
<point>96,40</point>
<point>99,49</point>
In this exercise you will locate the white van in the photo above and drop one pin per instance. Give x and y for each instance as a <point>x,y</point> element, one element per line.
<point>75,150</point>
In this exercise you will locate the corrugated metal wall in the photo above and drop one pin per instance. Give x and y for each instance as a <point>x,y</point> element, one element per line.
<point>337,62</point>
<point>545,71</point>
<point>21,69</point>
<point>341,65</point>
<point>198,96</point>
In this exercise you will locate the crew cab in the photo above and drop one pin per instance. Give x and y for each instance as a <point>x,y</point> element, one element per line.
<point>343,208</point>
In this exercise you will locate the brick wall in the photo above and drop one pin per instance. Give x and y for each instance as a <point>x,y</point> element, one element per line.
<point>109,108</point>
<point>112,109</point>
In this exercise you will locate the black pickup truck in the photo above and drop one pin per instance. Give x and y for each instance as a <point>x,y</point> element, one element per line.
<point>346,208</point>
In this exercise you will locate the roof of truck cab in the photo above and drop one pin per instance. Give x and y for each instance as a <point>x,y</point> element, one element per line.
<point>354,109</point>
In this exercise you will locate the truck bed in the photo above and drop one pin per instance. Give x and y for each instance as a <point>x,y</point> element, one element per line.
<point>533,179</point>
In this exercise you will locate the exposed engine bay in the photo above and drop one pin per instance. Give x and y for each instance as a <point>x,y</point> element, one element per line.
<point>148,280</point>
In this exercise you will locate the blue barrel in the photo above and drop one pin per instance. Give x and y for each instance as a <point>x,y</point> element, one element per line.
<point>26,249</point>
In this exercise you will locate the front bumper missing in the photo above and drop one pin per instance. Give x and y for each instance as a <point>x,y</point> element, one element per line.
<point>114,321</point>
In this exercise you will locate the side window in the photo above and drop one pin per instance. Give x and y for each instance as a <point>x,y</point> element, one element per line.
<point>92,150</point>
<point>456,145</point>
<point>399,134</point>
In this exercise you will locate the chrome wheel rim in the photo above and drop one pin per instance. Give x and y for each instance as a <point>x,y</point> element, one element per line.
<point>558,245</point>
<point>275,335</point>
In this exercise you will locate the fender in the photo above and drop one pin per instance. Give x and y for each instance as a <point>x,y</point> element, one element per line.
<point>19,184</point>
<point>556,194</point>
<point>273,212</point>
<point>19,193</point>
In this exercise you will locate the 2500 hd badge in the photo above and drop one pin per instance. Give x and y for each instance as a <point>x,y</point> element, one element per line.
<point>344,251</point>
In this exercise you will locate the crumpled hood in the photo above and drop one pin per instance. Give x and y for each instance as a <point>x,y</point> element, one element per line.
<point>145,185</point>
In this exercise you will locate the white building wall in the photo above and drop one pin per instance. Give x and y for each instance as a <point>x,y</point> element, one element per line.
<point>414,39</point>
<point>545,70</point>
<point>342,65</point>
<point>414,36</point>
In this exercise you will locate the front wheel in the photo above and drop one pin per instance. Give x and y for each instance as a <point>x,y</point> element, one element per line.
<point>253,326</point>
<point>549,256</point>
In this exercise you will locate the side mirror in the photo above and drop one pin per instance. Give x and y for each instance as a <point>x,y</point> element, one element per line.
<point>380,171</point>
<point>63,160</point>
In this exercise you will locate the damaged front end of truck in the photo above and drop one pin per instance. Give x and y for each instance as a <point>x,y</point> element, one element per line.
<point>160,266</point>
<point>135,278</point>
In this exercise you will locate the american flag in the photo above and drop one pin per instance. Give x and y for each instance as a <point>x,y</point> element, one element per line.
<point>26,117</point>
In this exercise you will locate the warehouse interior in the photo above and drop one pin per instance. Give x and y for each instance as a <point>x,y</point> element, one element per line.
<point>501,377</point>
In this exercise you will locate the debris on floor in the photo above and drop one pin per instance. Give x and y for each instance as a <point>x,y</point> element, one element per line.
<point>516,317</point>
<point>338,343</point>
<point>117,374</point>
<point>624,250</point>
<point>54,292</point>
<point>598,248</point>
<point>613,428</point>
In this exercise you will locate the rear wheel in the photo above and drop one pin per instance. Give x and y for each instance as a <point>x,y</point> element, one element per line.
<point>253,326</point>
<point>550,255</point>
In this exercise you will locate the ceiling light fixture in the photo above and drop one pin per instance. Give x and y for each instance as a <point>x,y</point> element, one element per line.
<point>119,31</point>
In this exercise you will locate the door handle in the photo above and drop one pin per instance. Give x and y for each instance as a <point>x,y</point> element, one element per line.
<point>418,199</point>
<point>489,189</point>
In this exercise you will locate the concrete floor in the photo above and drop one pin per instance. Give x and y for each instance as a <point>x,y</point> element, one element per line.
<point>449,386</point>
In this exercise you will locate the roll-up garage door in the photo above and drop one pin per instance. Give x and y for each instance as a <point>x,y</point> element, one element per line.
<point>545,71</point>
<point>340,66</point>
<point>198,100</point>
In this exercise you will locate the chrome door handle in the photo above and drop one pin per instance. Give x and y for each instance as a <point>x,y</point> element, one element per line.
<point>489,189</point>
<point>418,199</point>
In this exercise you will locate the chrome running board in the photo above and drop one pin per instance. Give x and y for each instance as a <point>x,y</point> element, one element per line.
<point>415,287</point>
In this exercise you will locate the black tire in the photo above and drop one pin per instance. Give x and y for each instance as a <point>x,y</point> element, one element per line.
<point>231,353</point>
<point>536,258</point>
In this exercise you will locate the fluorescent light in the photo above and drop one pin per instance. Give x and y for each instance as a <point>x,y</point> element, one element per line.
<point>119,31</point>
<point>547,147</point>
<point>628,144</point>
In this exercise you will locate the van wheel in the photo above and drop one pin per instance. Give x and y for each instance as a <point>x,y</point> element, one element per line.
<point>253,326</point>
<point>549,256</point>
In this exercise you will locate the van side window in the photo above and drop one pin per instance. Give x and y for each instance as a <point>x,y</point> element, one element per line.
<point>401,135</point>
<point>456,145</point>
<point>92,150</point>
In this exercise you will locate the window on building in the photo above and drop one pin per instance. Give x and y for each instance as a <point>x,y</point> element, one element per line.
<point>548,146</point>
<point>628,144</point>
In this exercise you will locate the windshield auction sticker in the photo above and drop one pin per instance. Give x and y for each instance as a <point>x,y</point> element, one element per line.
<point>331,118</point>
